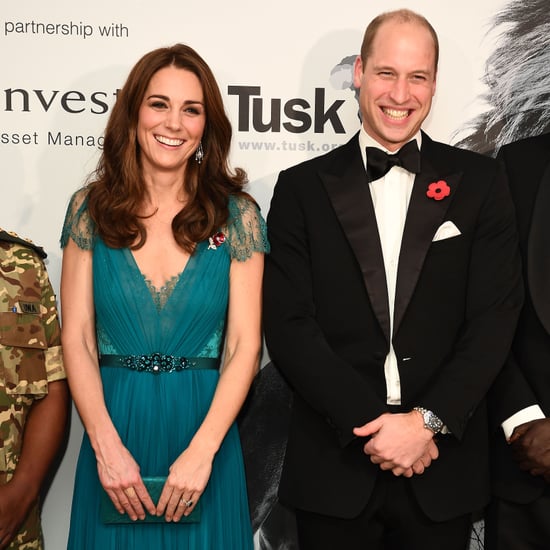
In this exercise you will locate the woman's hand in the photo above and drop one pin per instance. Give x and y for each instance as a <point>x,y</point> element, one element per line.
<point>117,469</point>
<point>119,474</point>
<point>188,477</point>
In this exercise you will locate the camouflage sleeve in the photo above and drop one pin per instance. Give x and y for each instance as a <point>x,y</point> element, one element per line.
<point>54,357</point>
<point>30,345</point>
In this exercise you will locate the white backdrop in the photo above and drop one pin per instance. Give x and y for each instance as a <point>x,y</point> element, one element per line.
<point>62,61</point>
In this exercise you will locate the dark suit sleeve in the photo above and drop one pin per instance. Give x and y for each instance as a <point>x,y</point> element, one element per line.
<point>297,345</point>
<point>494,296</point>
<point>509,394</point>
<point>511,391</point>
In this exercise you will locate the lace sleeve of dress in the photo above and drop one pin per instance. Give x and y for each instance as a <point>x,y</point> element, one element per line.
<point>246,229</point>
<point>78,225</point>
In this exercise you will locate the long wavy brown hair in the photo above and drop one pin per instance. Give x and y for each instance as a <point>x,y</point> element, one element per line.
<point>117,189</point>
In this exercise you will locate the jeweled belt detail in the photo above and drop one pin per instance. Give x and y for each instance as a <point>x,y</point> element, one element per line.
<point>158,362</point>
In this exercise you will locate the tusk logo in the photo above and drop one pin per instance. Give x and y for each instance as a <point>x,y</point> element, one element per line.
<point>299,114</point>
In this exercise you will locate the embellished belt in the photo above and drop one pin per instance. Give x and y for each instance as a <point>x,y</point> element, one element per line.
<point>158,362</point>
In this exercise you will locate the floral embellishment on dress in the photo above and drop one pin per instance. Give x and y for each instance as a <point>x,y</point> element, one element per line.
<point>438,190</point>
<point>216,240</point>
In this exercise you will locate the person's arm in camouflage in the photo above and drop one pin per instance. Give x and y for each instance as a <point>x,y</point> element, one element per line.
<point>44,433</point>
<point>44,429</point>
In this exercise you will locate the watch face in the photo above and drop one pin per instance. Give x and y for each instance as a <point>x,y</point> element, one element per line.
<point>432,421</point>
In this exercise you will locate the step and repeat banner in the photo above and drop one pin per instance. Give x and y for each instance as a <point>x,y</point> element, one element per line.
<point>285,71</point>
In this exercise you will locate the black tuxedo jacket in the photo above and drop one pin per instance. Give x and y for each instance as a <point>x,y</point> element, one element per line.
<point>526,378</point>
<point>326,320</point>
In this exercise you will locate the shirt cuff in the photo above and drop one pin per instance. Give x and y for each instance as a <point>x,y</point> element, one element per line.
<point>54,364</point>
<point>534,412</point>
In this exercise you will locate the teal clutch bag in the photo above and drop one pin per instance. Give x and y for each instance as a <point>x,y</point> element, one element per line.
<point>110,515</point>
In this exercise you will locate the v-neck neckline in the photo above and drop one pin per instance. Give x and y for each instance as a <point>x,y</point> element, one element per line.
<point>150,288</point>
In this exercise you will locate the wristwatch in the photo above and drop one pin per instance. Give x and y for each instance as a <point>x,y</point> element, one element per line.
<point>431,420</point>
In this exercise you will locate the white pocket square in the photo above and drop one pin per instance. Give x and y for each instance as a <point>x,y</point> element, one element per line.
<point>445,231</point>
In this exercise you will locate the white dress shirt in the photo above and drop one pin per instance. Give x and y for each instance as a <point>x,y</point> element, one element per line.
<point>390,195</point>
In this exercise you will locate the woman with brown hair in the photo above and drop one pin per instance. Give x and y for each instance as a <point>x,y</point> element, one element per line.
<point>162,265</point>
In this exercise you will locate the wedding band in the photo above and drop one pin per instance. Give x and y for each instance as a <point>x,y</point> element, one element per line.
<point>130,492</point>
<point>186,503</point>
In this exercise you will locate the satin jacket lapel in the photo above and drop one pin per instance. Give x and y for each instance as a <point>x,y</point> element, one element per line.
<point>424,216</point>
<point>538,252</point>
<point>350,196</point>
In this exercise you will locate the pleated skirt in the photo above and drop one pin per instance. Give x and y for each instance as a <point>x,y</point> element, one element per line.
<point>156,416</point>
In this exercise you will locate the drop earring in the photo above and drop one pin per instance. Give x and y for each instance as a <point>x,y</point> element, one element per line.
<point>199,153</point>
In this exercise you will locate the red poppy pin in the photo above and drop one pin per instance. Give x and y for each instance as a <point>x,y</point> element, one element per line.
<point>216,240</point>
<point>438,190</point>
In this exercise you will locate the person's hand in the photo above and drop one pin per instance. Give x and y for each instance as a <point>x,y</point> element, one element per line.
<point>14,508</point>
<point>119,474</point>
<point>399,442</point>
<point>431,454</point>
<point>531,447</point>
<point>188,477</point>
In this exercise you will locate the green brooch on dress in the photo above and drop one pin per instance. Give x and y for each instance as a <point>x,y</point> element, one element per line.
<point>216,240</point>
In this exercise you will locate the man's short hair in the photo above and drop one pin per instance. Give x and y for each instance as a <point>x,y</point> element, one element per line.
<point>400,16</point>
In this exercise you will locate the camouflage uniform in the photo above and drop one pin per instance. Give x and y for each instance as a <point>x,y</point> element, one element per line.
<point>30,356</point>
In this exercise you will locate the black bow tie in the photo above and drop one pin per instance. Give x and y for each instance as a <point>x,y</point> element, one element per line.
<point>379,162</point>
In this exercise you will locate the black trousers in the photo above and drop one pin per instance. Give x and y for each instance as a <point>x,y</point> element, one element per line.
<point>511,526</point>
<point>392,520</point>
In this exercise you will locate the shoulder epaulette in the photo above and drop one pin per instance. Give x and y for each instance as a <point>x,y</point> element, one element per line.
<point>11,237</point>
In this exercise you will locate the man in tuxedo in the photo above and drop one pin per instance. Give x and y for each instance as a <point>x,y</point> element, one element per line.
<point>391,299</point>
<point>518,515</point>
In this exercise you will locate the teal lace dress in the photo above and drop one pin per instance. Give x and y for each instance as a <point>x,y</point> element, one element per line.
<point>157,413</point>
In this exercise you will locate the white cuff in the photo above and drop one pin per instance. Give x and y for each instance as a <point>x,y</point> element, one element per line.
<point>534,412</point>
